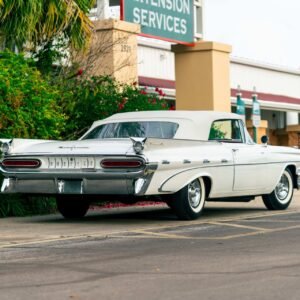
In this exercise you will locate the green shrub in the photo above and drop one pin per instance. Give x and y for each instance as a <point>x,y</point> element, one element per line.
<point>16,205</point>
<point>88,100</point>
<point>28,109</point>
<point>28,103</point>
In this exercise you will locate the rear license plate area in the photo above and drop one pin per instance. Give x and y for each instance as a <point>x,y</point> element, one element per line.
<point>69,186</point>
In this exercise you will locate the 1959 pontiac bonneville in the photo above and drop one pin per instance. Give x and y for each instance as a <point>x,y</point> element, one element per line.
<point>181,157</point>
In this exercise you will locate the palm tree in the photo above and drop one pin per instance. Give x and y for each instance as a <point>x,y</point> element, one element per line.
<point>30,23</point>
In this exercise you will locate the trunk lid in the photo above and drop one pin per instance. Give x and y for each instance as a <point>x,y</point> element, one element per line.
<point>80,147</point>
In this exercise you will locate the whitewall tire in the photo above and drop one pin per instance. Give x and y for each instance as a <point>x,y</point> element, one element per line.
<point>188,203</point>
<point>282,195</point>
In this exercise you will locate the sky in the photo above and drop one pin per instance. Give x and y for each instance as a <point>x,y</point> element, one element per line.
<point>266,31</point>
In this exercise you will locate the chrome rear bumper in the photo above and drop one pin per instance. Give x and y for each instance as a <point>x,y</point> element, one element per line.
<point>80,182</point>
<point>68,186</point>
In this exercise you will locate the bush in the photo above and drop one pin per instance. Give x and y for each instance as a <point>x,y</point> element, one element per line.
<point>28,103</point>
<point>88,100</point>
<point>28,109</point>
<point>16,205</point>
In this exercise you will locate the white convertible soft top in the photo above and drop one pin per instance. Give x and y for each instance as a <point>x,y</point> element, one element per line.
<point>194,125</point>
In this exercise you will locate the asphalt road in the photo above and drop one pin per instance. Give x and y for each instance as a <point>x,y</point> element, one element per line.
<point>234,251</point>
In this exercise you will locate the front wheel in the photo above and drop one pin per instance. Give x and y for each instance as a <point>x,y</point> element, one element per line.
<point>188,203</point>
<point>72,206</point>
<point>282,195</point>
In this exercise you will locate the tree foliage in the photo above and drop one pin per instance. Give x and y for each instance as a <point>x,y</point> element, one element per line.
<point>32,23</point>
<point>28,103</point>
<point>95,98</point>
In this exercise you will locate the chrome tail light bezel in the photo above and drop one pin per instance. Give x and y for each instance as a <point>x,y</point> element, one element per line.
<point>115,163</point>
<point>21,163</point>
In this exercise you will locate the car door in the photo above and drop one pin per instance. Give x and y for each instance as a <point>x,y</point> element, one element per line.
<point>251,168</point>
<point>222,172</point>
<point>251,165</point>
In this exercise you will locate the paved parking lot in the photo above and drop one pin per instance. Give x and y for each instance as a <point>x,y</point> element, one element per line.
<point>234,251</point>
<point>219,221</point>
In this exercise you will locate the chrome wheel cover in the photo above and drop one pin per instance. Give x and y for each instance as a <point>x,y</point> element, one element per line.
<point>195,195</point>
<point>283,188</point>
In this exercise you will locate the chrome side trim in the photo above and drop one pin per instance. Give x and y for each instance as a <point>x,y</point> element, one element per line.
<point>149,172</point>
<point>186,161</point>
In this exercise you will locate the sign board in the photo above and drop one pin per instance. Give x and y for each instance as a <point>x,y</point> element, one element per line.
<point>256,120</point>
<point>240,107</point>
<point>171,20</point>
<point>255,112</point>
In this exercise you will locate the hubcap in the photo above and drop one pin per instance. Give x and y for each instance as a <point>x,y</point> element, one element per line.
<point>194,193</point>
<point>282,189</point>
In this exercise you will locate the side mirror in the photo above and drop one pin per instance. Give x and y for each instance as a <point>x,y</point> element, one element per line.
<point>264,139</point>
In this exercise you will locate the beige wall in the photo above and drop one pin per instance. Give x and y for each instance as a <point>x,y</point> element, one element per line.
<point>260,131</point>
<point>202,76</point>
<point>113,51</point>
<point>293,132</point>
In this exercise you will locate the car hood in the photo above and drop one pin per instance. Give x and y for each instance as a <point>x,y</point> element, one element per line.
<point>80,147</point>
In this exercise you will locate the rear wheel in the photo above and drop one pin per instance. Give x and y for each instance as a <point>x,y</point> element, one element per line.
<point>73,206</point>
<point>282,195</point>
<point>188,203</point>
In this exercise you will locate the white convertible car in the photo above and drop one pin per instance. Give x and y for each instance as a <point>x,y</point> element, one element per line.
<point>181,157</point>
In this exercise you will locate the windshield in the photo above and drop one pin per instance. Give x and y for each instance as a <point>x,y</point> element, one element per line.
<point>154,129</point>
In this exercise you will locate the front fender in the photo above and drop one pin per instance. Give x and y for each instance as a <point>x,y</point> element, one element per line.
<point>179,180</point>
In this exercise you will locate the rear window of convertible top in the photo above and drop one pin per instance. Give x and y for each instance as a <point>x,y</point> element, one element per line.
<point>154,129</point>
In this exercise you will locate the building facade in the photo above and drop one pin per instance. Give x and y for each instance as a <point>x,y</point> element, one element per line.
<point>278,88</point>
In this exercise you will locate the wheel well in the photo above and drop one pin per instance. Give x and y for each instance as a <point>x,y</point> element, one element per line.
<point>207,182</point>
<point>292,169</point>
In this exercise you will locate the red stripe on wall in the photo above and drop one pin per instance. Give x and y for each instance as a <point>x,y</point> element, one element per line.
<point>156,82</point>
<point>266,97</point>
<point>170,84</point>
